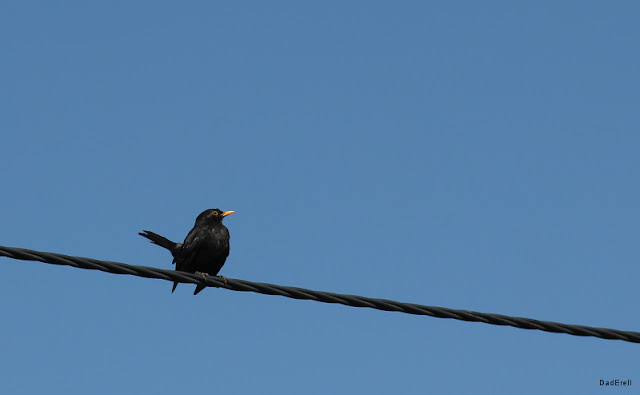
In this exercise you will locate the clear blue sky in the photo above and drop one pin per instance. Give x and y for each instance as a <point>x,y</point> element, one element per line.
<point>471,155</point>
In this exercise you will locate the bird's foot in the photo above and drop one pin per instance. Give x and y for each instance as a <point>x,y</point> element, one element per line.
<point>224,279</point>
<point>203,274</point>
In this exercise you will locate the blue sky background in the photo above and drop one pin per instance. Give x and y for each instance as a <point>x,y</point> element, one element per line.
<point>471,155</point>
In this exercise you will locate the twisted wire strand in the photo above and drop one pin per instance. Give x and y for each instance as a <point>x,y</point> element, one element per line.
<point>320,296</point>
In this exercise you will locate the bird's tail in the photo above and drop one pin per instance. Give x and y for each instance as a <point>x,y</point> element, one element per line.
<point>160,240</point>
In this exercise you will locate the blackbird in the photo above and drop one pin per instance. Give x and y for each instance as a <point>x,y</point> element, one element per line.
<point>205,248</point>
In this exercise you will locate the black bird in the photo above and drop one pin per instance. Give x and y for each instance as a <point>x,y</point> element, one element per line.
<point>205,248</point>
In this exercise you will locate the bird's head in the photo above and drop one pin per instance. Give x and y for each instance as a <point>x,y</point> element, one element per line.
<point>212,215</point>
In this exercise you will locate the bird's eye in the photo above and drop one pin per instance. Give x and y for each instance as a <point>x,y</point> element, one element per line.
<point>214,213</point>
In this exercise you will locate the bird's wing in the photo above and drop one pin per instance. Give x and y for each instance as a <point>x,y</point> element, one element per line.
<point>190,250</point>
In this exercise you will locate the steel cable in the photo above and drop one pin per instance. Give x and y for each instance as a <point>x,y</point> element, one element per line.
<point>320,296</point>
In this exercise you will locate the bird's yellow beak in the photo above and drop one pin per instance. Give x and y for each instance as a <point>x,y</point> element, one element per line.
<point>224,214</point>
